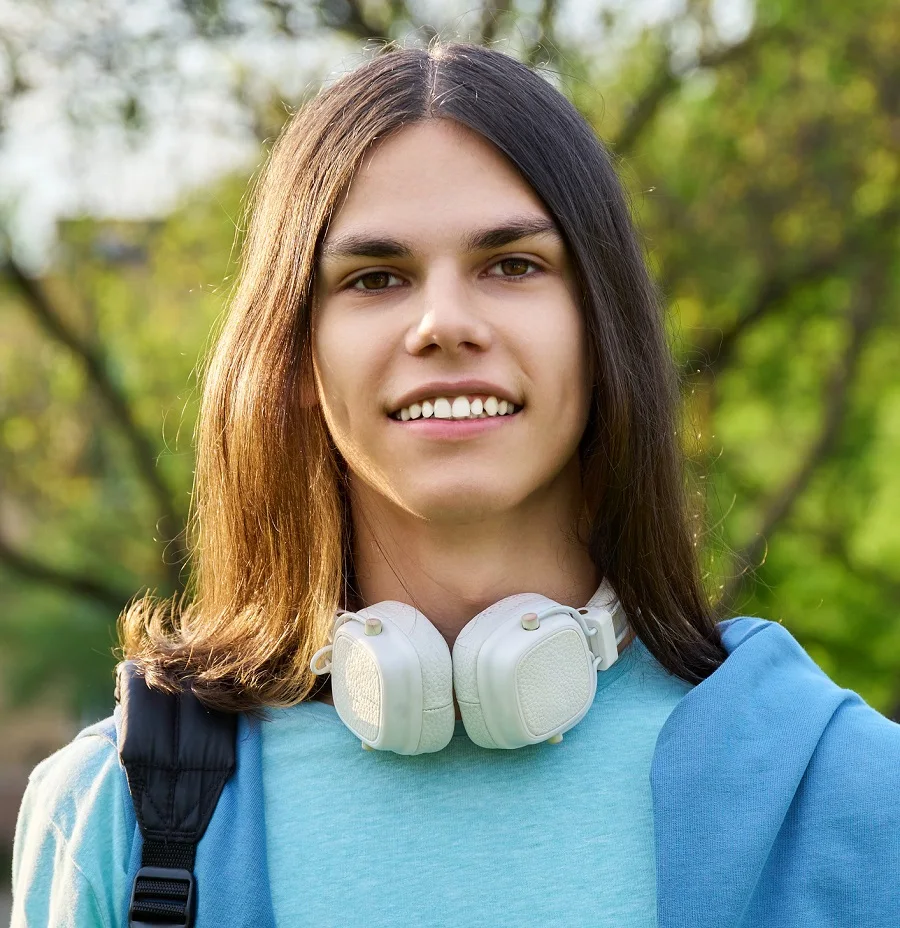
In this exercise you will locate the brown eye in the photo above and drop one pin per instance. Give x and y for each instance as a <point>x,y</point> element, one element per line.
<point>515,267</point>
<point>375,280</point>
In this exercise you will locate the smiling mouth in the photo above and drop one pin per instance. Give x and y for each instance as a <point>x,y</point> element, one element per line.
<point>459,408</point>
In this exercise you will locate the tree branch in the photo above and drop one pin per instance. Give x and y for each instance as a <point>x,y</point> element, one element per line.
<point>664,83</point>
<point>834,544</point>
<point>359,25</point>
<point>491,13</point>
<point>716,351</point>
<point>861,320</point>
<point>546,19</point>
<point>67,582</point>
<point>349,17</point>
<point>16,82</point>
<point>170,524</point>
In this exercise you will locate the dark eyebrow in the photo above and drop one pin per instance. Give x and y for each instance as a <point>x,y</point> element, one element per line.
<point>364,246</point>
<point>511,231</point>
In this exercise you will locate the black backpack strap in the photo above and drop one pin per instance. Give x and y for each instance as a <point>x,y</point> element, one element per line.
<point>177,755</point>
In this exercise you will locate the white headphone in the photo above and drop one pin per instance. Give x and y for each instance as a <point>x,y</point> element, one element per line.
<point>524,670</point>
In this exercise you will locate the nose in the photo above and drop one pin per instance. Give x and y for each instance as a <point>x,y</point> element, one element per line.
<point>448,316</point>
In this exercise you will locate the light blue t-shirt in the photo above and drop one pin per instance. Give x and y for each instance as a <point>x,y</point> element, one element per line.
<point>549,835</point>
<point>556,835</point>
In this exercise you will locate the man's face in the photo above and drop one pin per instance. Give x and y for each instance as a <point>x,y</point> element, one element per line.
<point>417,306</point>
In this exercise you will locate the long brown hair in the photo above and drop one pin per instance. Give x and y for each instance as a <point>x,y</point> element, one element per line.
<point>270,522</point>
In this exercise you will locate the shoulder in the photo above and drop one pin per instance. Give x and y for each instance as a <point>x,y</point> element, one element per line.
<point>80,777</point>
<point>844,820</point>
<point>855,763</point>
<point>75,829</point>
<point>83,754</point>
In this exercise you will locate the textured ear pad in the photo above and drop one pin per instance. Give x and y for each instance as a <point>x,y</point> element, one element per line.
<point>465,662</point>
<point>394,689</point>
<point>518,687</point>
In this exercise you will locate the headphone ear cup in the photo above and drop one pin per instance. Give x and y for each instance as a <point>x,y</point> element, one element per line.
<point>517,686</point>
<point>466,649</point>
<point>394,689</point>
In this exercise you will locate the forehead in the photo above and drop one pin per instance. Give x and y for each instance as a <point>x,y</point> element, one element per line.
<point>433,182</point>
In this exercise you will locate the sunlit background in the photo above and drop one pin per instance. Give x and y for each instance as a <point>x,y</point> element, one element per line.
<point>761,146</point>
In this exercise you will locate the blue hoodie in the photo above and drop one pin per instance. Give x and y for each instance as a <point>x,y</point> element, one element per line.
<point>776,802</point>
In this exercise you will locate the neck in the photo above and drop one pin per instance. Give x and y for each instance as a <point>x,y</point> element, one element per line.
<point>452,570</point>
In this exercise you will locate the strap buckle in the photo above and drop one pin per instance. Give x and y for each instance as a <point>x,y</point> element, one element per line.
<point>602,642</point>
<point>162,896</point>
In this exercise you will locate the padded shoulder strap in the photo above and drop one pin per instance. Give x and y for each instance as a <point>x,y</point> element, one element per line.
<point>177,756</point>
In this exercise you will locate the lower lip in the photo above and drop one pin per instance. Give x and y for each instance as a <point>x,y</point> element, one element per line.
<point>454,429</point>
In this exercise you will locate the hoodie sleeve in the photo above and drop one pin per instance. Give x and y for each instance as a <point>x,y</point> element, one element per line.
<point>72,843</point>
<point>837,860</point>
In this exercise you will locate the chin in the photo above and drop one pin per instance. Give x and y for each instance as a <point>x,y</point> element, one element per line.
<point>460,504</point>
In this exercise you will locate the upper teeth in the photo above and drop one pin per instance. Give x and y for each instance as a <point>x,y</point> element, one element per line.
<point>457,407</point>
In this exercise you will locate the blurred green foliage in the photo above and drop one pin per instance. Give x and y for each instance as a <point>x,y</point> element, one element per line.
<point>146,295</point>
<point>764,175</point>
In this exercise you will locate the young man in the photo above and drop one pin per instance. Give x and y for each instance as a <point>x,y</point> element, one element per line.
<point>443,403</point>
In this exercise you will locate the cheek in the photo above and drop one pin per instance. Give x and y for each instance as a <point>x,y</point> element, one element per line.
<point>575,348</point>
<point>337,362</point>
<point>568,417</point>
<point>331,379</point>
<point>348,362</point>
<point>559,356</point>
